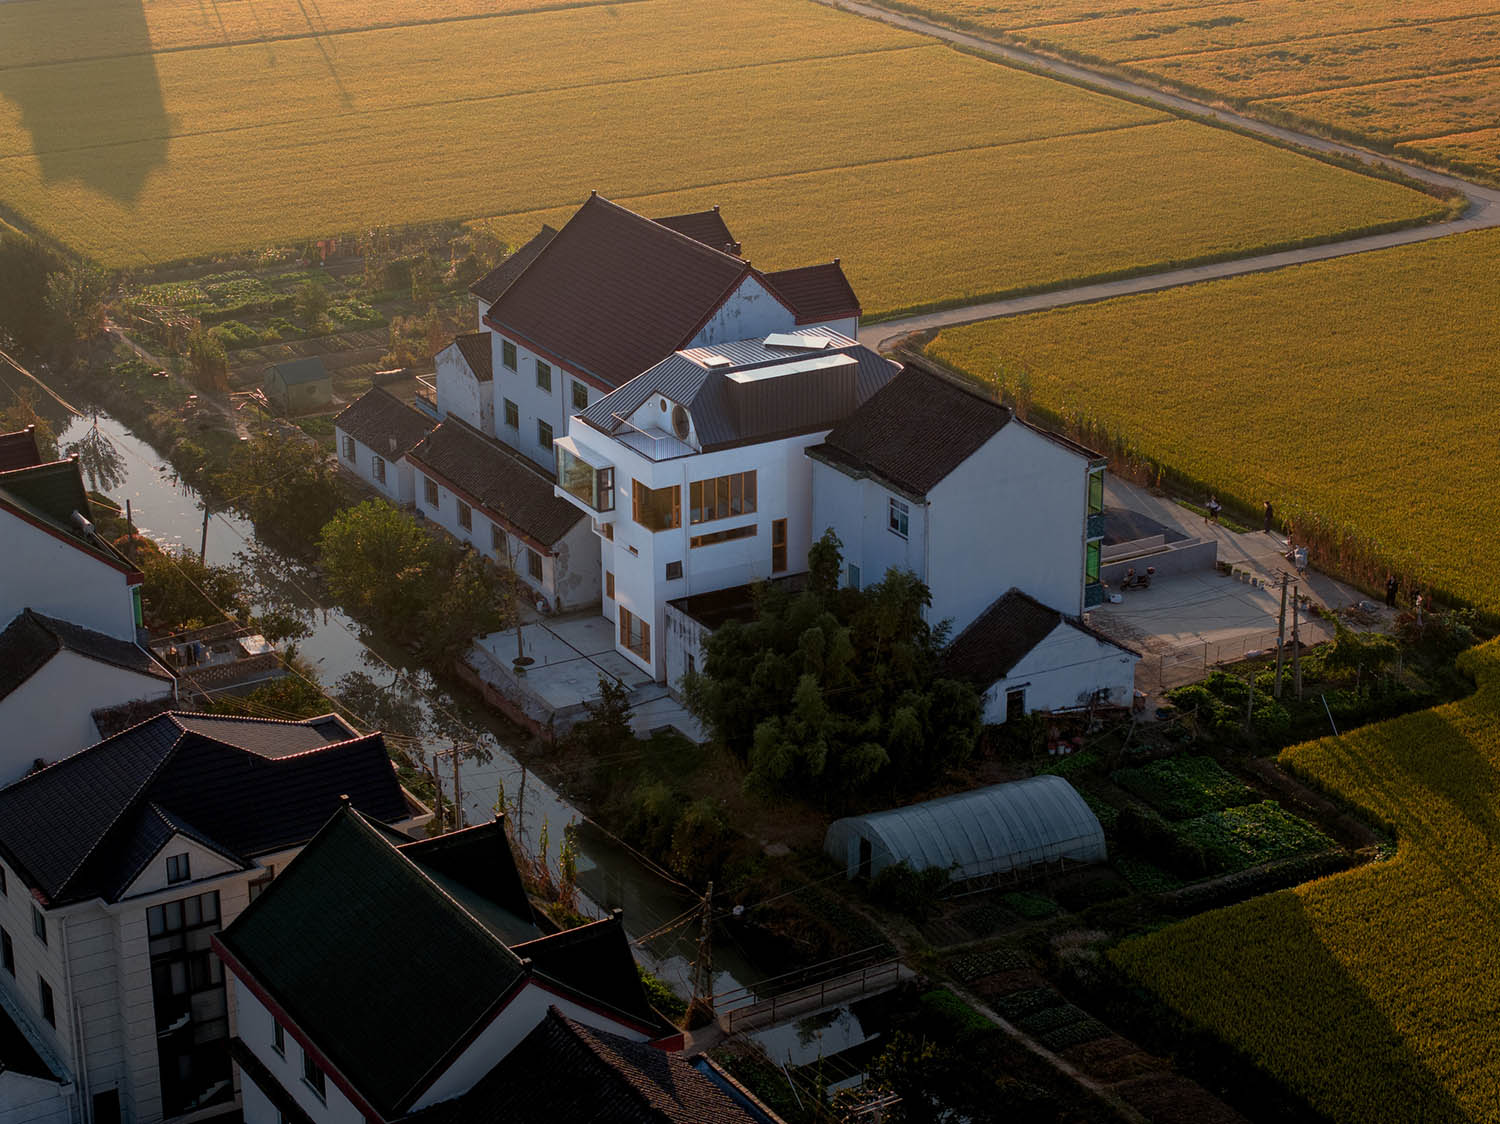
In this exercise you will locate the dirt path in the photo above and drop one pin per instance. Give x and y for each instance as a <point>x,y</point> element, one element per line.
<point>1483,210</point>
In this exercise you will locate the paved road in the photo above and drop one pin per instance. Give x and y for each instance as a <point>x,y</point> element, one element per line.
<point>1483,210</point>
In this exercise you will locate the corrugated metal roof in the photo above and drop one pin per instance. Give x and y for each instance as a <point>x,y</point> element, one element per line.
<point>990,830</point>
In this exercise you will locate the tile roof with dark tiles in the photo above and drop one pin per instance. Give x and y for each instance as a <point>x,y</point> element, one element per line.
<point>49,494</point>
<point>614,292</point>
<point>816,293</point>
<point>478,353</point>
<point>493,284</point>
<point>19,449</point>
<point>383,423</point>
<point>509,487</point>
<point>707,227</point>
<point>914,432</point>
<point>1001,636</point>
<point>594,959</point>
<point>31,640</point>
<point>564,1070</point>
<point>69,827</point>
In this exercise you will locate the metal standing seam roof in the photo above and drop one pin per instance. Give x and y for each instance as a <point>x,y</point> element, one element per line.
<point>989,830</point>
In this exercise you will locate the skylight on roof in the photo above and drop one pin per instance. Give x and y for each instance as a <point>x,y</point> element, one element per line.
<point>791,367</point>
<point>716,361</point>
<point>797,342</point>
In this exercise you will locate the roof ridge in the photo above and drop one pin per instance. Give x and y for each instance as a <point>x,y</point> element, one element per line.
<point>324,748</point>
<point>209,716</point>
<point>636,215</point>
<point>920,365</point>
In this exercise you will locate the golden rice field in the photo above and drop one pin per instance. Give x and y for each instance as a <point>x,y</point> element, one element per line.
<point>1421,77</point>
<point>155,131</point>
<point>1373,994</point>
<point>1360,390</point>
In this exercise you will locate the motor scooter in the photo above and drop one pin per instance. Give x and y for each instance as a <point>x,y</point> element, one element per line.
<point>1133,580</point>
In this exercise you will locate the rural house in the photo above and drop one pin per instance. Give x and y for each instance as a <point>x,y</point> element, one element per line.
<point>464,375</point>
<point>502,504</point>
<point>373,436</point>
<point>298,386</point>
<point>578,312</point>
<point>693,472</point>
<point>939,479</point>
<point>117,865</point>
<point>385,979</point>
<point>43,659</point>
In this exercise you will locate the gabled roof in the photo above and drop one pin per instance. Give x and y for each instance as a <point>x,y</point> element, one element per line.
<point>76,829</point>
<point>19,449</point>
<point>707,227</point>
<point>1001,636</point>
<point>31,640</point>
<point>489,287</point>
<point>382,422</point>
<point>596,960</point>
<point>509,487</point>
<point>816,292</point>
<point>294,372</point>
<point>476,868</point>
<point>478,354</point>
<point>564,1070</point>
<point>381,971</point>
<point>915,432</point>
<point>613,292</point>
<point>47,495</point>
<point>699,379</point>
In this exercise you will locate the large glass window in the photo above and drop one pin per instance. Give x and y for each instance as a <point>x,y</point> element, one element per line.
<point>635,634</point>
<point>721,497</point>
<point>1096,491</point>
<point>192,1013</point>
<point>1091,562</point>
<point>746,532</point>
<point>656,509</point>
<point>594,486</point>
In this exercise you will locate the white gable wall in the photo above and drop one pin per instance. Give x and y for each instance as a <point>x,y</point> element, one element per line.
<point>255,1029</point>
<point>53,731</point>
<point>748,312</point>
<point>203,864</point>
<point>40,571</point>
<point>460,394</point>
<point>397,485</point>
<point>1063,671</point>
<point>859,513</point>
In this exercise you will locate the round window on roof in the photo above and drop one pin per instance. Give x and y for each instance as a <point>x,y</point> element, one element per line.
<point>680,423</point>
<point>664,405</point>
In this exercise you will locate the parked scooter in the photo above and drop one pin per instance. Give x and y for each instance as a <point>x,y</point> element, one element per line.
<point>1138,581</point>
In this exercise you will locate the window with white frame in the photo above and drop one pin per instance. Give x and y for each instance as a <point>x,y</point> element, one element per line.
<point>278,1036</point>
<point>899,515</point>
<point>429,491</point>
<point>378,464</point>
<point>580,395</point>
<point>534,564</point>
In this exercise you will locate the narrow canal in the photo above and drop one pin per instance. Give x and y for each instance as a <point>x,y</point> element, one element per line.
<point>171,514</point>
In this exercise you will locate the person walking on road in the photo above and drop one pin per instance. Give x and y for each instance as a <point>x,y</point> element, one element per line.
<point>1213,509</point>
<point>1391,588</point>
<point>1269,519</point>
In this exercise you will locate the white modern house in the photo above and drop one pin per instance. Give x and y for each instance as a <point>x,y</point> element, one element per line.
<point>117,866</point>
<point>934,477</point>
<point>502,504</point>
<point>52,560</point>
<point>44,660</point>
<point>577,312</point>
<point>372,435</point>
<point>1022,656</point>
<point>694,475</point>
<point>381,980</point>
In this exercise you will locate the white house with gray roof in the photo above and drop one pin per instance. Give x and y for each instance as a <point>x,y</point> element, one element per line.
<point>694,473</point>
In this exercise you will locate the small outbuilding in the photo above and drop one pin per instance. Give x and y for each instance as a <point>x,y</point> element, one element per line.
<point>996,830</point>
<point>297,386</point>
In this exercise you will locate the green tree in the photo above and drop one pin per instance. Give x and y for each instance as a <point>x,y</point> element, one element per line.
<point>207,358</point>
<point>288,487</point>
<point>75,303</point>
<point>311,303</point>
<point>23,412</point>
<point>25,266</point>
<point>377,561</point>
<point>181,593</point>
<point>464,604</point>
<point>605,727</point>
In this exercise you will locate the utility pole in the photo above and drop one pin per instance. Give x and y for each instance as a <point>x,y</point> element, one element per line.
<point>458,788</point>
<point>203,544</point>
<point>1296,647</point>
<point>703,972</point>
<point>1281,636</point>
<point>129,529</point>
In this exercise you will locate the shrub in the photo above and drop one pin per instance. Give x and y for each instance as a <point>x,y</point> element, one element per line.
<point>913,893</point>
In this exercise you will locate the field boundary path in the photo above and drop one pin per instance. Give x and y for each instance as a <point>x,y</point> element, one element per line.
<point>1482,212</point>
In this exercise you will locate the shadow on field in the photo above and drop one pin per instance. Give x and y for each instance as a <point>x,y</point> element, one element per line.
<point>101,122</point>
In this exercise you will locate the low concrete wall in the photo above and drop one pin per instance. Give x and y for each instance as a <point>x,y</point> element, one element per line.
<point>502,689</point>
<point>1121,550</point>
<point>1178,558</point>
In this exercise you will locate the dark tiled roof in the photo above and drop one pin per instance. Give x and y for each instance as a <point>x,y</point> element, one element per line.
<point>49,494</point>
<point>596,961</point>
<point>1003,634</point>
<point>476,867</point>
<point>489,287</point>
<point>31,640</point>
<point>18,1055</point>
<point>294,372</point>
<point>816,292</point>
<point>509,487</point>
<point>564,1070</point>
<point>914,432</point>
<point>268,737</point>
<point>614,292</point>
<point>707,227</point>
<point>478,354</point>
<point>18,449</point>
<point>377,419</point>
<point>78,827</point>
<point>381,970</point>
<point>804,402</point>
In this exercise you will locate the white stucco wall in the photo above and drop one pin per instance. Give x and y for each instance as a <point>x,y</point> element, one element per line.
<point>460,394</point>
<point>32,1100</point>
<point>397,486</point>
<point>533,404</point>
<point>21,995</point>
<point>54,732</point>
<point>42,572</point>
<point>1063,671</point>
<point>255,1025</point>
<point>859,513</point>
<point>749,311</point>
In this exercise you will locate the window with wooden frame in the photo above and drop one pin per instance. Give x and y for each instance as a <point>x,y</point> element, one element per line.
<point>512,414</point>
<point>497,539</point>
<point>656,509</point>
<point>609,584</point>
<point>544,376</point>
<point>722,497</point>
<point>508,355</point>
<point>778,545</point>
<point>534,564</point>
<point>580,395</point>
<point>378,463</point>
<point>635,634</point>
<point>349,448</point>
<point>544,435</point>
<point>429,491</point>
<point>465,515</point>
<point>748,531</point>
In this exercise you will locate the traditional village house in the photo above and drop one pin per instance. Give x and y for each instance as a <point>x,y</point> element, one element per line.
<point>372,437</point>
<point>119,863</point>
<point>298,386</point>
